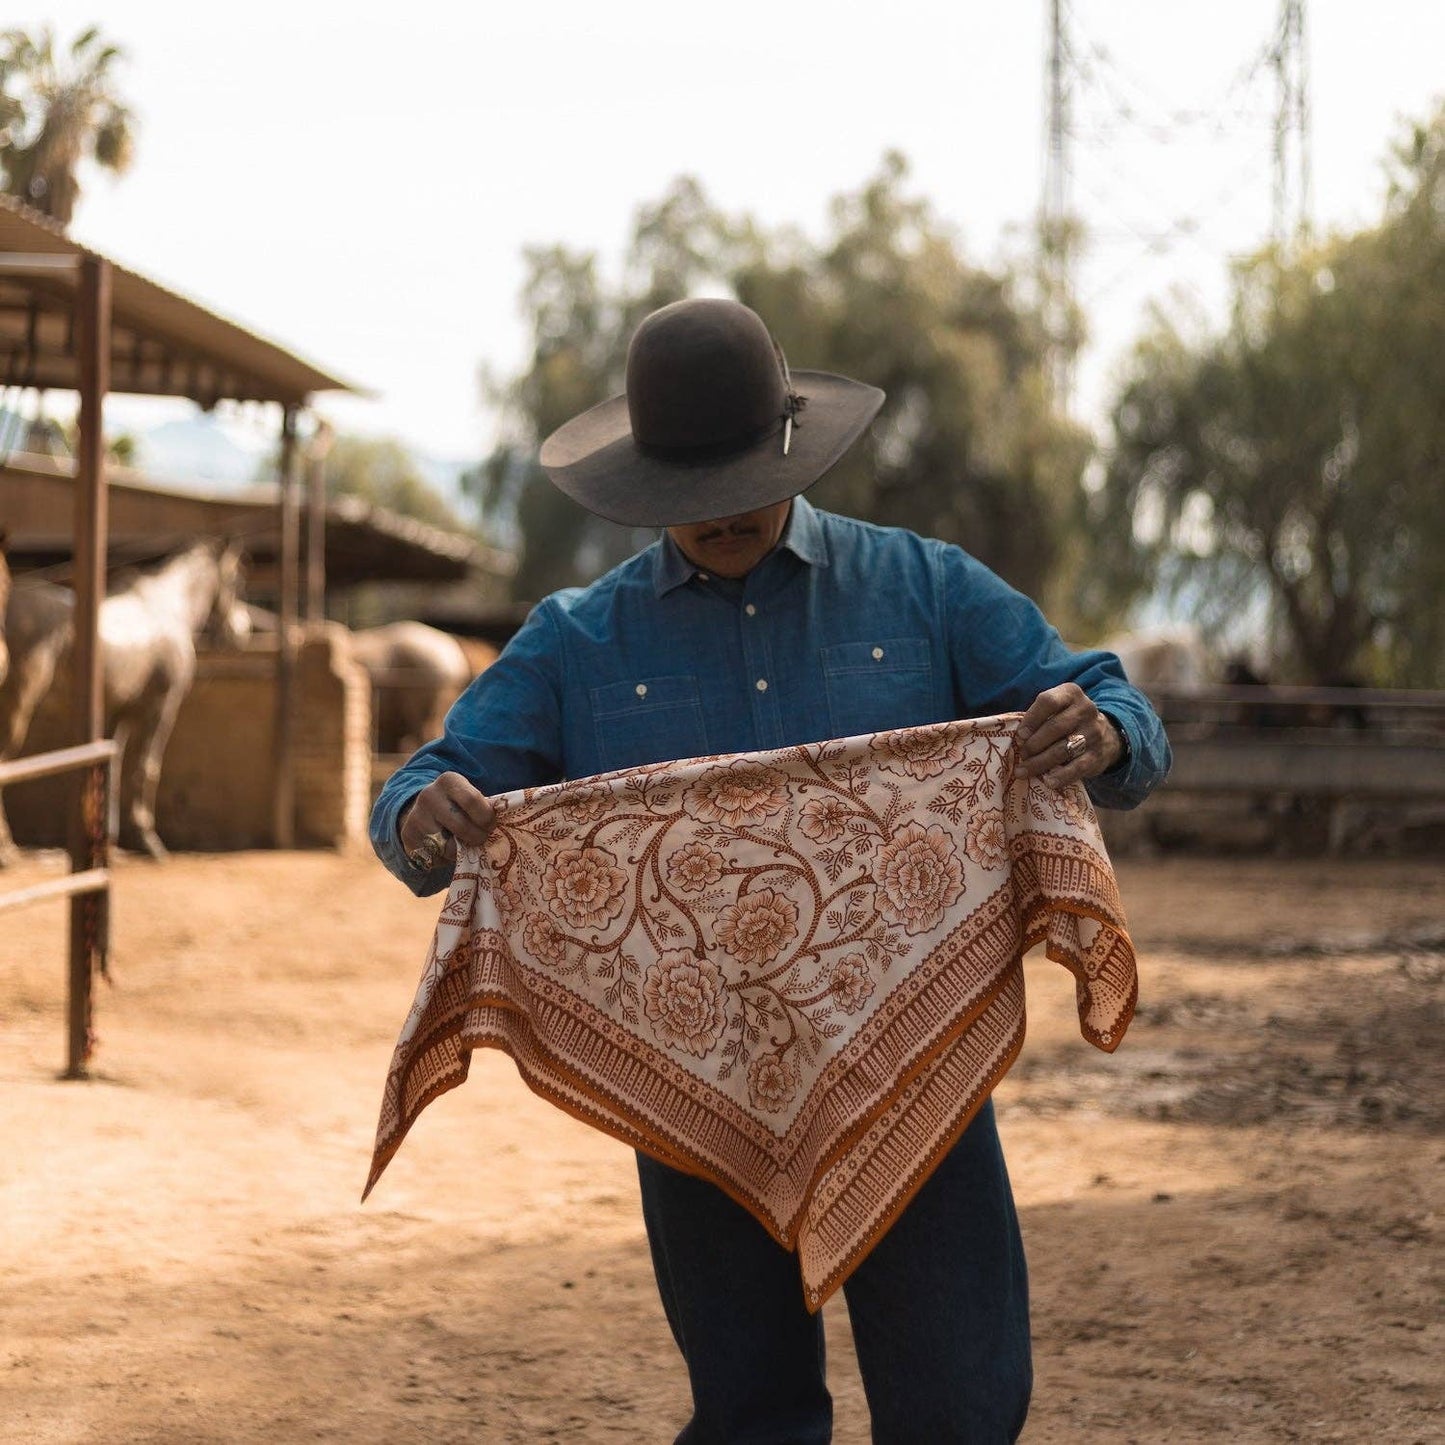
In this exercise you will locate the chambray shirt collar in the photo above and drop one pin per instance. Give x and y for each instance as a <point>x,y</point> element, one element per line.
<point>803,537</point>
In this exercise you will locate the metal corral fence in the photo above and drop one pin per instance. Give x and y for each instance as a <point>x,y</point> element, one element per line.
<point>1354,765</point>
<point>1369,763</point>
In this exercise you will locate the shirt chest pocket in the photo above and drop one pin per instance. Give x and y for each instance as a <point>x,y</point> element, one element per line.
<point>649,720</point>
<point>877,685</point>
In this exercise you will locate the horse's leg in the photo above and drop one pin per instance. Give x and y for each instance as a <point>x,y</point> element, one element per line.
<point>118,729</point>
<point>148,729</point>
<point>29,679</point>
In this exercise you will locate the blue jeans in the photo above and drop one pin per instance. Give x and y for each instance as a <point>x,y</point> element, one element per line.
<point>939,1310</point>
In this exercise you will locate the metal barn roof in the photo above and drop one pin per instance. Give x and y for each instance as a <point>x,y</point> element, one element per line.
<point>364,543</point>
<point>162,344</point>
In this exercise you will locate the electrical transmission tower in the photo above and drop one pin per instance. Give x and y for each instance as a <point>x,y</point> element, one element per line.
<point>1100,117</point>
<point>1056,290</point>
<point>1291,127</point>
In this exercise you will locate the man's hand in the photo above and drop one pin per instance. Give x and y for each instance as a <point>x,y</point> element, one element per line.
<point>1064,738</point>
<point>448,807</point>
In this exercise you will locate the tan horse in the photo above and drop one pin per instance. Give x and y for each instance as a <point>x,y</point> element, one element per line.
<point>148,631</point>
<point>417,672</point>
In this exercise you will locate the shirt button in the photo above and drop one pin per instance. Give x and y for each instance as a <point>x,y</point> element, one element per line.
<point>702,577</point>
<point>762,684</point>
<point>642,689</point>
<point>877,654</point>
<point>751,610</point>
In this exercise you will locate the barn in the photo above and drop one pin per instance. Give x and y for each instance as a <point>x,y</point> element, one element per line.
<point>73,320</point>
<point>220,775</point>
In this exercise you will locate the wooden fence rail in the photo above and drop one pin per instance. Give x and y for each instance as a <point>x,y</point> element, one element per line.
<point>87,884</point>
<point>1350,751</point>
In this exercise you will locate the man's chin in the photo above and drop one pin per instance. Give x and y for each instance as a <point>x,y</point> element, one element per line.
<point>731,558</point>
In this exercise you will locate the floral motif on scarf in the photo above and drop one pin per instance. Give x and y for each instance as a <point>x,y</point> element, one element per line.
<point>796,973</point>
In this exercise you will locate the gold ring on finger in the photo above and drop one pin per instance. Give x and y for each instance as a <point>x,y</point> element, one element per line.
<point>428,853</point>
<point>1075,745</point>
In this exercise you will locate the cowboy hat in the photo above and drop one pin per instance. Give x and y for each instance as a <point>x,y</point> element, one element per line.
<point>712,423</point>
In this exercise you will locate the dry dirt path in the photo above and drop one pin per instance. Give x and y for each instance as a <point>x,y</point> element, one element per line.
<point>1233,1223</point>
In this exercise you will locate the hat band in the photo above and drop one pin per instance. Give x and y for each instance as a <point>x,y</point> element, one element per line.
<point>732,447</point>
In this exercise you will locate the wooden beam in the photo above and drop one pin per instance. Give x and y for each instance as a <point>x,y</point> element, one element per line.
<point>283,810</point>
<point>1321,765</point>
<point>23,263</point>
<point>316,522</point>
<point>32,322</point>
<point>90,911</point>
<point>62,760</point>
<point>72,885</point>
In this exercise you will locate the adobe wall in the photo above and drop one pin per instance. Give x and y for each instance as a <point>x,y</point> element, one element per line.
<point>220,766</point>
<point>333,741</point>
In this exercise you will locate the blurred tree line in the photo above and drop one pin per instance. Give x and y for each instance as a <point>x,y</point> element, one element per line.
<point>1296,460</point>
<point>383,472</point>
<point>1286,466</point>
<point>968,447</point>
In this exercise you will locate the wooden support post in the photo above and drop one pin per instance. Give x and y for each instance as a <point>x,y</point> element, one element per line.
<point>89,912</point>
<point>284,800</point>
<point>316,522</point>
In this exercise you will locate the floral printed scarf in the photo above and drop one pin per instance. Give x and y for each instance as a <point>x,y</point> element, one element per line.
<point>796,973</point>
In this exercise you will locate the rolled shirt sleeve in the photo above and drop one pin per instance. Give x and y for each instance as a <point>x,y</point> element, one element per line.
<point>1004,653</point>
<point>504,732</point>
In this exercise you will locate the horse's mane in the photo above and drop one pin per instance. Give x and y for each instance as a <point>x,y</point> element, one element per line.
<point>129,573</point>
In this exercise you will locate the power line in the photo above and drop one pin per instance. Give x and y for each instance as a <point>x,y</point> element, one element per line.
<point>1096,108</point>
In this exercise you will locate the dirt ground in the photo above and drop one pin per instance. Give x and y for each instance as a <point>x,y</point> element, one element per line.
<point>1233,1223</point>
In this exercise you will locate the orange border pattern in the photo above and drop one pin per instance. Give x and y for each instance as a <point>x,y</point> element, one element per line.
<point>796,973</point>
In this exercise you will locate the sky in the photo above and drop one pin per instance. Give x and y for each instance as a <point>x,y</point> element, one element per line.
<point>358,183</point>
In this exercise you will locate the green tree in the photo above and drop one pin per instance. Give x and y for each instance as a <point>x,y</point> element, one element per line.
<point>123,448</point>
<point>967,448</point>
<point>380,470</point>
<point>575,364</point>
<point>59,107</point>
<point>1298,456</point>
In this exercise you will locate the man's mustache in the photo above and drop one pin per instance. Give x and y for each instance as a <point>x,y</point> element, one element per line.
<point>741,529</point>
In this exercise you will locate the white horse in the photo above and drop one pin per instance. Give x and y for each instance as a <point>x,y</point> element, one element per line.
<point>148,632</point>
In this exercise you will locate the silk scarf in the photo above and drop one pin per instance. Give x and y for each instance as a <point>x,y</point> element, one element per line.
<point>797,973</point>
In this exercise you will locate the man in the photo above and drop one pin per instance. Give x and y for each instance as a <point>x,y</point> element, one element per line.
<point>758,622</point>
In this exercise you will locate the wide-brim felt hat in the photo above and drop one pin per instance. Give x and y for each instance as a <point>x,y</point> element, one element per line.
<point>712,423</point>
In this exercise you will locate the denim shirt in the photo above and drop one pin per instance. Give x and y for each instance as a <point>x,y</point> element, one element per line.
<point>844,628</point>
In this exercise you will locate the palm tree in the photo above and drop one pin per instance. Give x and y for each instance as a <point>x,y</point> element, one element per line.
<point>56,108</point>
